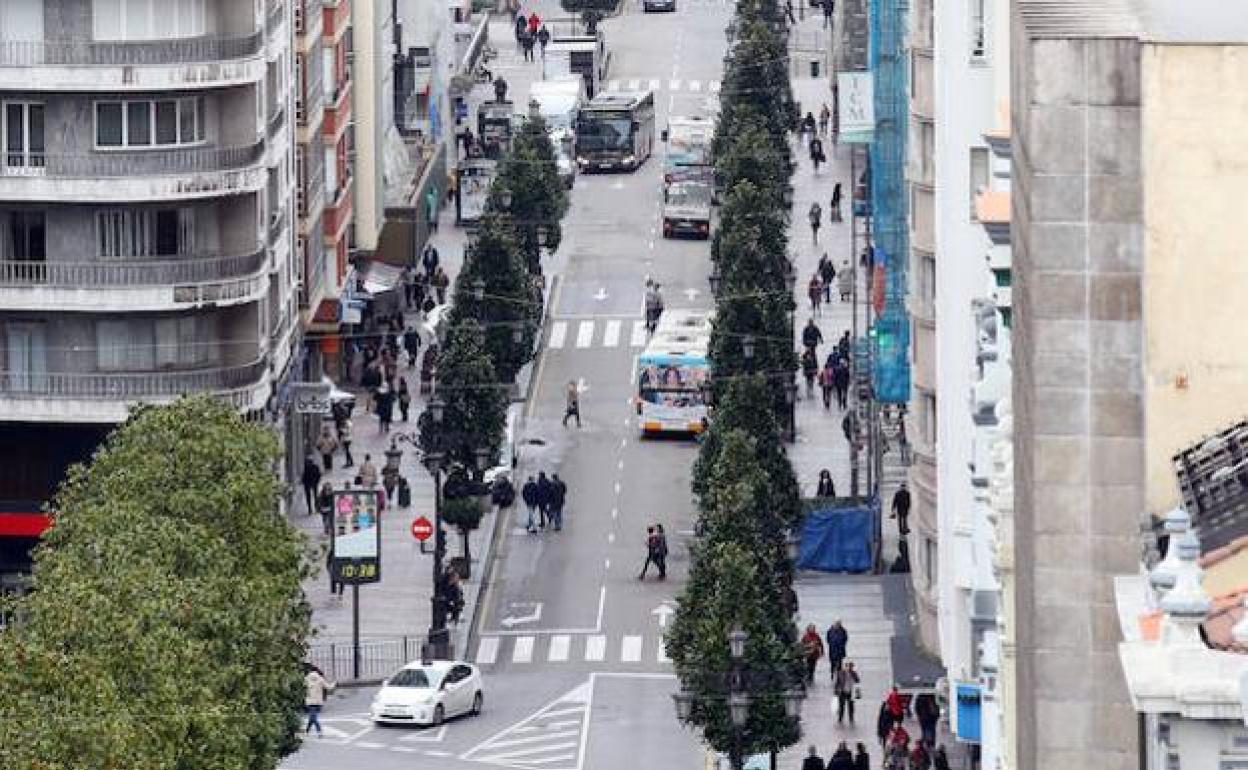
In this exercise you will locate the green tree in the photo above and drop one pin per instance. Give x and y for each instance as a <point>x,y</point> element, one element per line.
<point>508,311</point>
<point>475,403</point>
<point>463,513</point>
<point>726,590</point>
<point>168,624</point>
<point>538,199</point>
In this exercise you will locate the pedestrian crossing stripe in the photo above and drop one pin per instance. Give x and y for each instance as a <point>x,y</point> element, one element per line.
<point>567,648</point>
<point>595,648</point>
<point>522,652</point>
<point>587,333</point>
<point>630,651</point>
<point>559,647</point>
<point>487,650</point>
<point>655,84</point>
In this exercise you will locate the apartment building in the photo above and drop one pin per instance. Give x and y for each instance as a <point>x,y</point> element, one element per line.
<point>146,223</point>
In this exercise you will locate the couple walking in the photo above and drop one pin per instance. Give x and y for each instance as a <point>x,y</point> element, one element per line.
<point>845,681</point>
<point>656,551</point>
<point>545,497</point>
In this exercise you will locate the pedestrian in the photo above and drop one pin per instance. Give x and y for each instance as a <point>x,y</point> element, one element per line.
<point>522,25</point>
<point>654,306</point>
<point>326,444</point>
<point>808,126</point>
<point>535,23</point>
<point>883,724</point>
<point>843,344</point>
<point>862,760</point>
<point>901,509</point>
<point>345,429</point>
<point>827,273</point>
<point>841,759</point>
<point>815,214</point>
<point>814,290</point>
<point>528,493</point>
<point>834,212</point>
<point>315,689</point>
<point>826,487</point>
<point>845,281</point>
<point>652,551</point>
<point>896,706</point>
<point>940,761</point>
<point>545,493</point>
<point>810,368</point>
<point>849,426</point>
<point>429,259</point>
<point>825,117</point>
<point>325,507</point>
<point>543,37</point>
<point>311,479</point>
<point>816,153</point>
<point>827,13</point>
<point>573,408</point>
<point>840,381</point>
<point>827,384</point>
<point>788,8</point>
<point>927,710</point>
<point>526,45</point>
<point>368,472</point>
<point>411,345</point>
<point>454,594</point>
<point>845,685</point>
<point>661,555</point>
<point>440,282</point>
<point>406,281</point>
<point>812,337</point>
<point>405,399</point>
<point>558,494</point>
<point>838,642</point>
<point>812,651</point>
<point>813,761</point>
<point>385,408</point>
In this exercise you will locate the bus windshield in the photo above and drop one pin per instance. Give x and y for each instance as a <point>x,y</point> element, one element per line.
<point>671,377</point>
<point>605,130</point>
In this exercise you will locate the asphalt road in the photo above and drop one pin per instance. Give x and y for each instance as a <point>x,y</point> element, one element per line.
<point>570,641</point>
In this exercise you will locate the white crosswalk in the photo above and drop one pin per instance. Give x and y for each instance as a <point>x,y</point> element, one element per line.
<point>635,649</point>
<point>655,84</point>
<point>588,335</point>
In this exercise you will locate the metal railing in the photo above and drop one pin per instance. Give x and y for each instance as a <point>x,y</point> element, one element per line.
<point>273,14</point>
<point>129,385</point>
<point>120,53</point>
<point>379,658</point>
<point>276,118</point>
<point>138,163</point>
<point>130,272</point>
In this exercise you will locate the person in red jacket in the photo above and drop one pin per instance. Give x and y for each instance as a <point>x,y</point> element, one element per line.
<point>534,24</point>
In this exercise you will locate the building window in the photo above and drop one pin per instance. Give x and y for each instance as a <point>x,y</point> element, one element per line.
<point>929,418</point>
<point>927,150</point>
<point>979,41</point>
<point>927,283</point>
<point>140,20</point>
<point>158,123</point>
<point>929,561</point>
<point>979,174</point>
<point>23,237</point>
<point>137,345</point>
<point>23,135</point>
<point>131,233</point>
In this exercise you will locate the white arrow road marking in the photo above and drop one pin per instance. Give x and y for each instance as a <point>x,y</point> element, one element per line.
<point>549,735</point>
<point>487,651</point>
<point>611,337</point>
<point>630,650</point>
<point>558,332</point>
<point>534,614</point>
<point>585,334</point>
<point>665,612</point>
<point>601,294</point>
<point>691,294</point>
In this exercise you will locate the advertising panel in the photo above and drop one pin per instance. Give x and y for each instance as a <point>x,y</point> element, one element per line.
<point>355,550</point>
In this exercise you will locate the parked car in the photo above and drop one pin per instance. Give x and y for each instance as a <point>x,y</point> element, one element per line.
<point>429,693</point>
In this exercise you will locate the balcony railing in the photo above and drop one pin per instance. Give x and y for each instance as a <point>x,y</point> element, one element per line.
<point>133,272</point>
<point>120,53</point>
<point>129,385</point>
<point>273,14</point>
<point>137,163</point>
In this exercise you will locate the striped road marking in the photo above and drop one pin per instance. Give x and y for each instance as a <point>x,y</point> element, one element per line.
<point>559,647</point>
<point>611,337</point>
<point>695,85</point>
<point>638,339</point>
<point>630,652</point>
<point>654,84</point>
<point>595,648</point>
<point>523,651</point>
<point>558,331</point>
<point>585,334</point>
<point>633,85</point>
<point>487,650</point>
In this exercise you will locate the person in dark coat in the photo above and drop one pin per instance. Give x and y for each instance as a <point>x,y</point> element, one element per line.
<point>545,493</point>
<point>813,761</point>
<point>411,345</point>
<point>652,551</point>
<point>528,493</point>
<point>840,383</point>
<point>883,724</point>
<point>558,494</point>
<point>311,479</point>
<point>812,337</point>
<point>543,37</point>
<point>940,761</point>
<point>385,408</point>
<point>842,758</point>
<point>927,710</point>
<point>862,760</point>
<point>325,506</point>
<point>826,488</point>
<point>838,643</point>
<point>901,509</point>
<point>827,274</point>
<point>429,259</point>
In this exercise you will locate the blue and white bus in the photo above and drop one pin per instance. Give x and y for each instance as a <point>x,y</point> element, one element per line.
<point>671,372</point>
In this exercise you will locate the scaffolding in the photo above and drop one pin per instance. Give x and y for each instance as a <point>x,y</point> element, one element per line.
<point>890,228</point>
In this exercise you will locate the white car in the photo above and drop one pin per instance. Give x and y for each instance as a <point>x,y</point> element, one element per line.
<point>429,693</point>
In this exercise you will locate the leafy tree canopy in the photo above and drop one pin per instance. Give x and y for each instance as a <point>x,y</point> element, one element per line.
<point>475,411</point>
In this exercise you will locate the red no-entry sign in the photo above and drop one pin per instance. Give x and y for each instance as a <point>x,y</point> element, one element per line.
<point>422,528</point>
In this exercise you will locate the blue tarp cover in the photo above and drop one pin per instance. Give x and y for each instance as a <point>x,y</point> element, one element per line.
<point>836,538</point>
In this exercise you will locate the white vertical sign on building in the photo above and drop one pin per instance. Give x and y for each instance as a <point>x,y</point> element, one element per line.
<point>856,105</point>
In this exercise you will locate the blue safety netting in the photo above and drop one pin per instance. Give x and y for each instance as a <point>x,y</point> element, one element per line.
<point>837,537</point>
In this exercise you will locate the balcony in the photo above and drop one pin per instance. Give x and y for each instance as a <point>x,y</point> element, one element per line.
<point>107,396</point>
<point>336,17</point>
<point>86,65</point>
<point>308,22</point>
<point>128,285</point>
<point>274,14</point>
<point>338,214</point>
<point>337,112</point>
<point>132,175</point>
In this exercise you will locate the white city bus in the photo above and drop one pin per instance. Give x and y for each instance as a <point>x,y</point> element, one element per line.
<point>671,372</point>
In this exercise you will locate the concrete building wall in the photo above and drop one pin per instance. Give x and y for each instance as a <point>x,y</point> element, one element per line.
<point>1079,462</point>
<point>1195,171</point>
<point>372,69</point>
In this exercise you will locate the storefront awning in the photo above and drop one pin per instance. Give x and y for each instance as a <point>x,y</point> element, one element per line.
<point>378,277</point>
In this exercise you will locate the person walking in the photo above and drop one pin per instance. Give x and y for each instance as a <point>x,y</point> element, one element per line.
<point>558,494</point>
<point>411,345</point>
<point>368,473</point>
<point>522,26</point>
<point>545,493</point>
<point>901,509</point>
<point>896,706</point>
<point>825,117</point>
<point>845,281</point>
<point>535,23</point>
<point>527,40</point>
<point>573,408</point>
<point>883,724</point>
<point>528,493</point>
<point>315,689</point>
<point>813,761</point>
<point>661,557</point>
<point>311,479</point>
<point>810,368</point>
<point>940,760</point>
<point>841,759</point>
<point>326,444</point>
<point>345,429</point>
<point>840,381</point>
<point>845,685</point>
<point>429,259</point>
<point>919,758</point>
<point>834,210</point>
<point>827,274</point>
<point>812,651</point>
<point>814,290</point>
<point>862,760</point>
<point>816,153</point>
<point>325,507</point>
<point>408,281</point>
<point>927,710</point>
<point>843,344</point>
<point>838,643</point>
<point>385,408</point>
<point>816,215</point>
<point>405,399</point>
<point>654,306</point>
<point>652,551</point>
<point>826,486</point>
<point>827,13</point>
<point>543,37</point>
<point>440,282</point>
<point>812,337</point>
<point>827,384</point>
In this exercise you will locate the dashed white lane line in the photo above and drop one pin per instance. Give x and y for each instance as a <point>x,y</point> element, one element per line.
<point>595,648</point>
<point>611,336</point>
<point>638,337</point>
<point>630,650</point>
<point>585,334</point>
<point>560,645</point>
<point>487,651</point>
<point>558,332</point>
<point>523,650</point>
